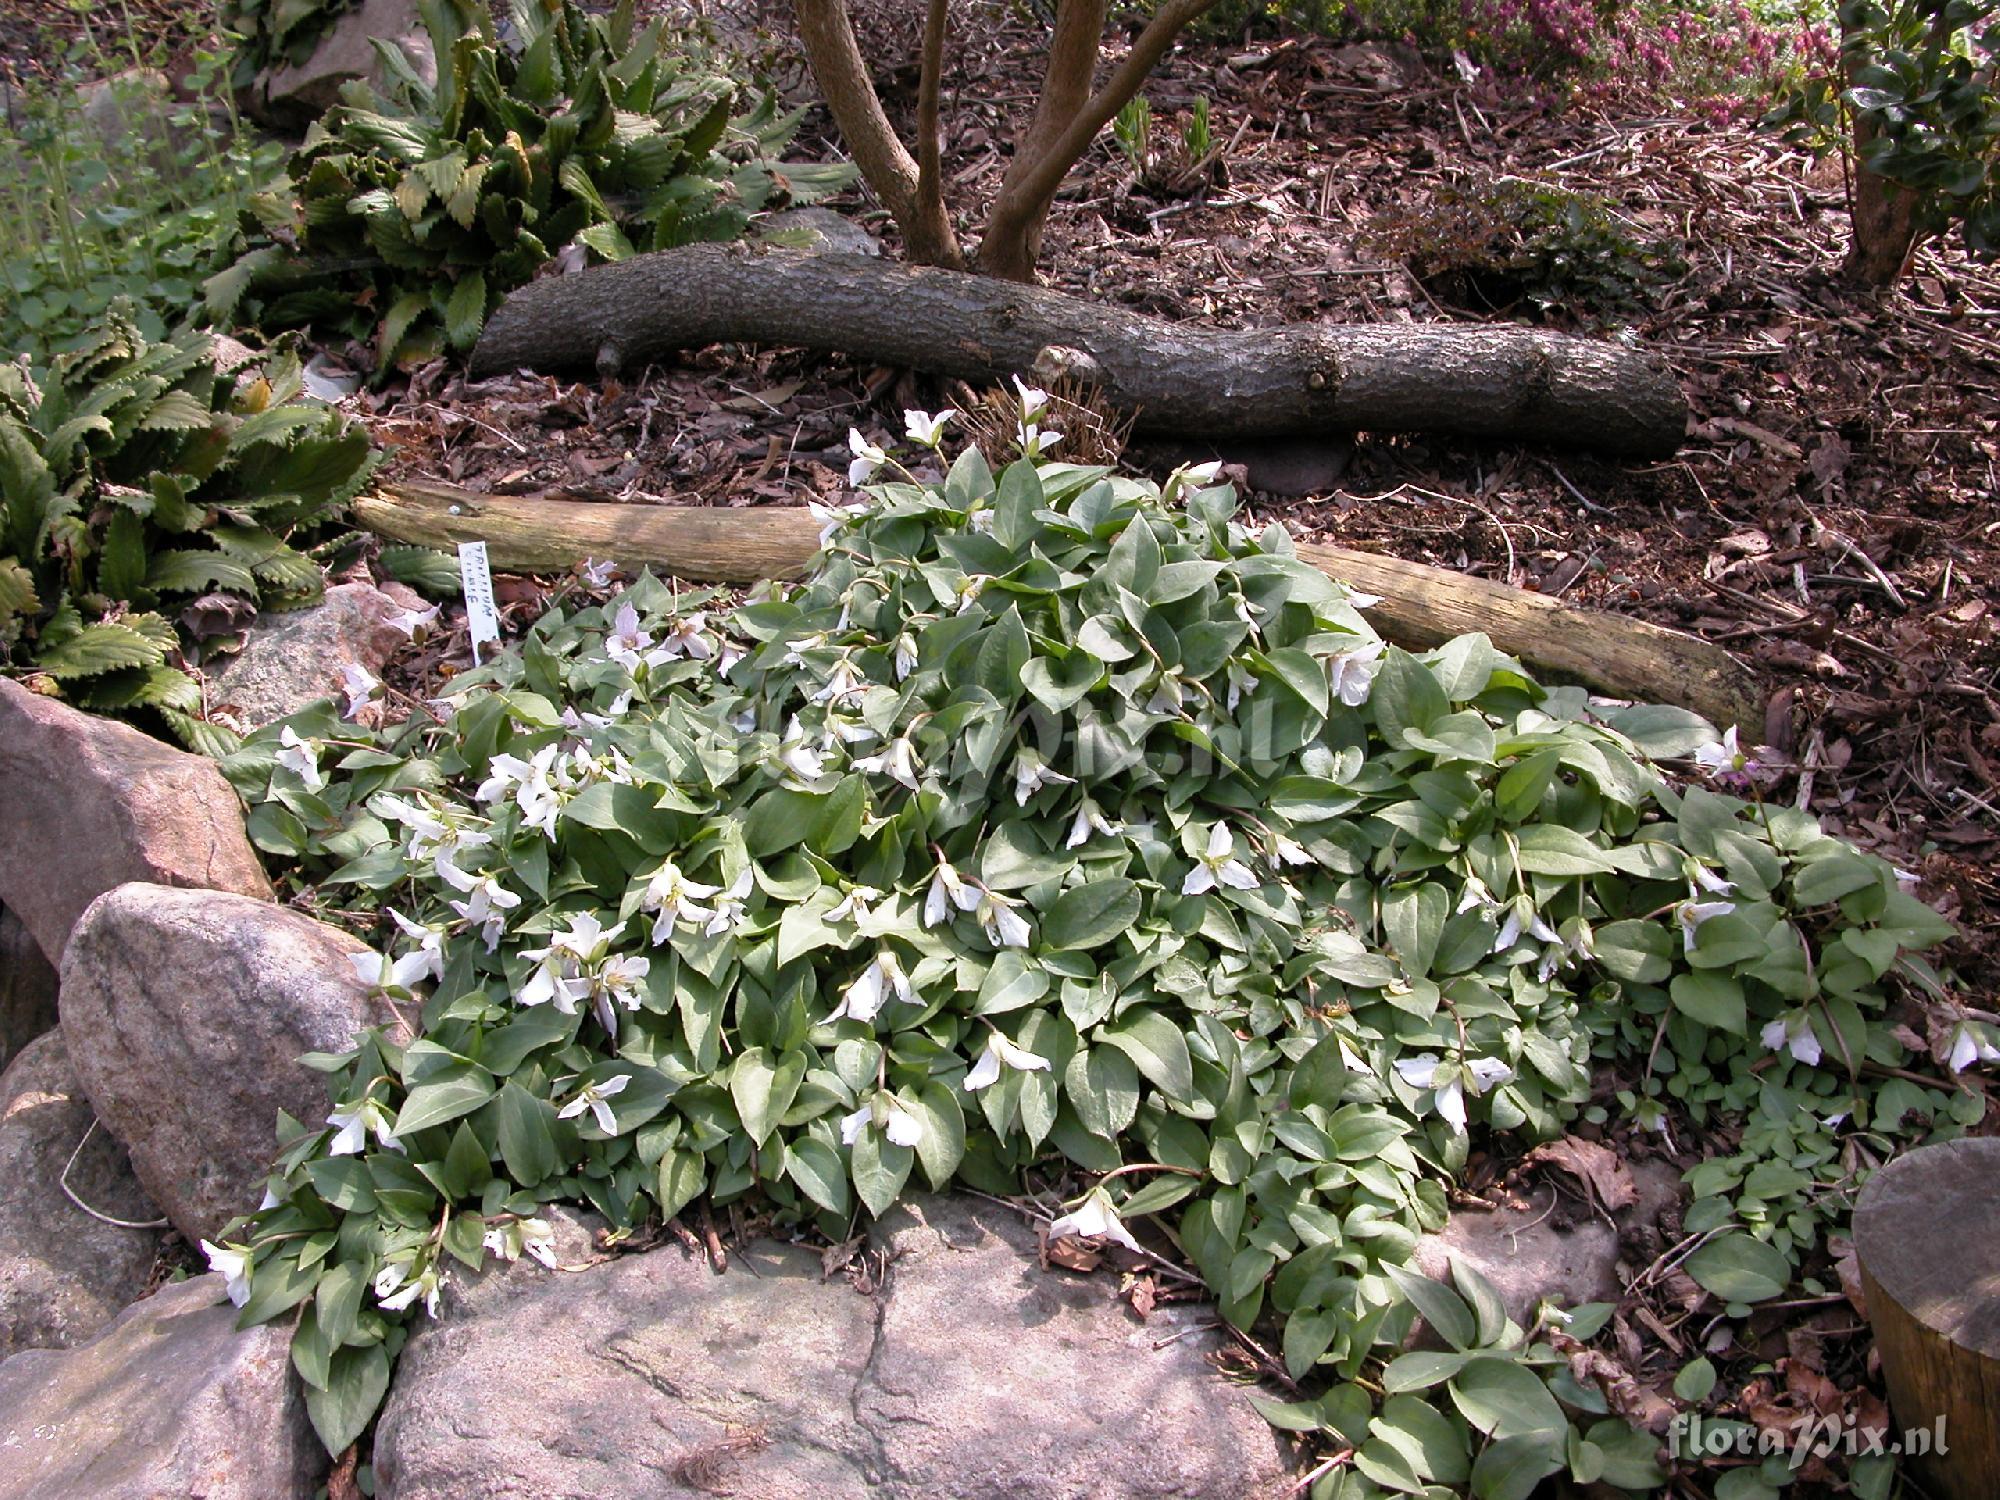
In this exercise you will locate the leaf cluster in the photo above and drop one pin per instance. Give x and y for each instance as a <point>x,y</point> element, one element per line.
<point>1055,827</point>
<point>132,474</point>
<point>270,34</point>
<point>137,197</point>
<point>562,135</point>
<point>1921,77</point>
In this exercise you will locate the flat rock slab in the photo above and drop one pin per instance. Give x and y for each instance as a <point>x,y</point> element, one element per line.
<point>27,987</point>
<point>294,658</point>
<point>64,1274</point>
<point>185,1013</point>
<point>970,1373</point>
<point>90,804</point>
<point>167,1401</point>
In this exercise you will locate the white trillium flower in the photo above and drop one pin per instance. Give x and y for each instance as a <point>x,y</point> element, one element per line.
<point>999,1053</point>
<point>1168,695</point>
<point>843,683</point>
<point>1090,819</point>
<point>596,571</point>
<point>533,1237</point>
<point>1692,913</point>
<point>1700,875</point>
<point>1092,1219</point>
<point>1793,1032</point>
<point>886,1114</point>
<point>1036,440</point>
<point>898,761</point>
<point>351,1128</point>
<point>925,429</point>
<point>686,636</point>
<point>359,685</point>
<point>948,889</point>
<point>1512,928</point>
<point>1219,866</point>
<point>854,904</point>
<point>969,589</point>
<point>730,911</point>
<point>631,647</point>
<point>676,899</point>
<point>414,623</point>
<point>906,655</point>
<point>594,1097</point>
<point>1033,400</point>
<point>864,998</point>
<point>232,1262</point>
<point>486,902</point>
<point>1242,683</point>
<point>1360,600</point>
<point>1286,850</point>
<point>395,1290</point>
<point>1000,919</point>
<point>833,519</point>
<point>301,758</point>
<point>867,457</point>
<point>1031,774</point>
<point>1352,673</point>
<point>1448,1099</point>
<point>1969,1046</point>
<point>1190,476</point>
<point>797,755</point>
<point>1725,754</point>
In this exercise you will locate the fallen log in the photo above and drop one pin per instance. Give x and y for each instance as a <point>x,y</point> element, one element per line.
<point>1421,606</point>
<point>1514,383</point>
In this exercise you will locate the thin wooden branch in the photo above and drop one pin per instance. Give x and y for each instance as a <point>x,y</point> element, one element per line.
<point>1008,231</point>
<point>930,174</point>
<point>835,56</point>
<point>1421,606</point>
<point>1066,82</point>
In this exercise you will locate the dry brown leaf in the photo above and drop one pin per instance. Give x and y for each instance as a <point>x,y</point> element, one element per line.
<point>1597,1166</point>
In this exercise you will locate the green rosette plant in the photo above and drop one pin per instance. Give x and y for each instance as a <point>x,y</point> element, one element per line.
<point>134,474</point>
<point>414,213</point>
<point>1061,828</point>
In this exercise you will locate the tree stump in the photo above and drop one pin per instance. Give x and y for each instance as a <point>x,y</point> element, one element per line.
<point>1927,1235</point>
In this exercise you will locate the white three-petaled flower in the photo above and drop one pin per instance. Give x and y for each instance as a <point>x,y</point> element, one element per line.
<point>1692,913</point>
<point>887,1115</point>
<point>864,998</point>
<point>1094,1218</point>
<point>948,889</point>
<point>596,571</point>
<point>594,1097</point>
<point>925,429</point>
<point>233,1263</point>
<point>999,1053</point>
<point>798,755</point>
<point>301,758</point>
<point>487,901</point>
<point>1032,773</point>
<point>833,519</point>
<point>1002,923</point>
<point>1725,754</point>
<point>1449,1099</point>
<point>396,1290</point>
<point>676,899</point>
<point>1033,401</point>
<point>1219,866</point>
<point>867,457</point>
<point>1794,1033</point>
<point>533,1237</point>
<point>1090,819</point>
<point>1968,1046</point>
<point>898,761</point>
<point>359,685</point>
<point>1352,673</point>
<point>351,1127</point>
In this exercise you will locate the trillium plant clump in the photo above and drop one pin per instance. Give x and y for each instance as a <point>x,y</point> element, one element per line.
<point>1063,833</point>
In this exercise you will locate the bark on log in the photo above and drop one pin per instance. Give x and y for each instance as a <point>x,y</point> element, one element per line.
<point>1927,1235</point>
<point>1421,606</point>
<point>1514,383</point>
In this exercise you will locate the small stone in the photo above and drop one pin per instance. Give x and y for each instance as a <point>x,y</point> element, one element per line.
<point>168,1401</point>
<point>821,229</point>
<point>64,1274</point>
<point>91,803</point>
<point>186,1013</point>
<point>27,987</point>
<point>294,658</point>
<point>971,1372</point>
